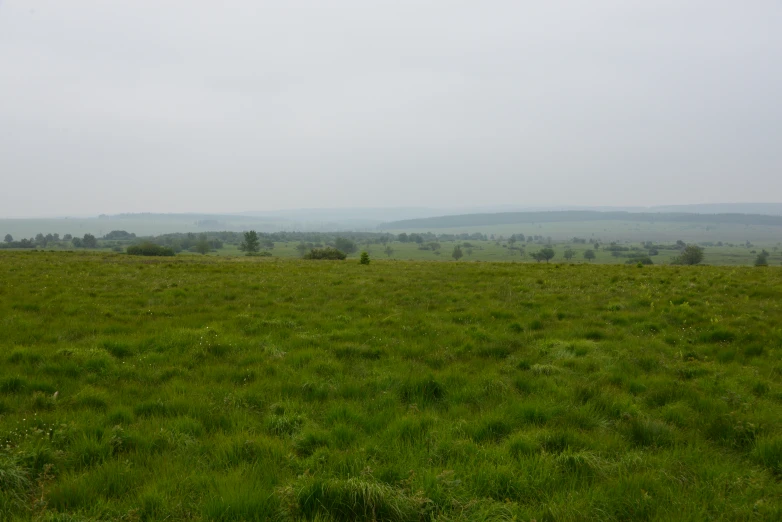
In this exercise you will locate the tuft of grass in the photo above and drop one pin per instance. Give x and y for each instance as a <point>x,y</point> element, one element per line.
<point>768,453</point>
<point>12,385</point>
<point>14,480</point>
<point>650,432</point>
<point>423,392</point>
<point>353,499</point>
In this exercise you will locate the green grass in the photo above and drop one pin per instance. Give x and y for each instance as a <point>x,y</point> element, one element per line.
<point>218,388</point>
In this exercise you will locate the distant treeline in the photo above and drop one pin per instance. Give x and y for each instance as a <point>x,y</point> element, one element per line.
<point>206,241</point>
<point>512,218</point>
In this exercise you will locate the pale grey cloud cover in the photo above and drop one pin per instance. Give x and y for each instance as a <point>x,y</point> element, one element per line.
<point>127,106</point>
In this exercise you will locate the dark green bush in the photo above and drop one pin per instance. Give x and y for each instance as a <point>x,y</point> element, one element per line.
<point>149,249</point>
<point>325,253</point>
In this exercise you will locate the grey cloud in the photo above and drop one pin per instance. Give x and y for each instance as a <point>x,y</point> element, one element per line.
<point>239,105</point>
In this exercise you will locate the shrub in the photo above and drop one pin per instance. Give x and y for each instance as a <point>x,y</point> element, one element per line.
<point>364,258</point>
<point>148,248</point>
<point>691,255</point>
<point>762,259</point>
<point>325,253</point>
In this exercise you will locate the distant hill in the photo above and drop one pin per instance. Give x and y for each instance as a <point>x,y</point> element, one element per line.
<point>512,218</point>
<point>770,209</point>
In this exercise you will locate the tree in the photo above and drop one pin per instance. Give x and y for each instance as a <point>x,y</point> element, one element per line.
<point>202,246</point>
<point>762,259</point>
<point>89,241</point>
<point>67,237</point>
<point>9,238</point>
<point>301,248</point>
<point>77,242</point>
<point>402,238</point>
<point>251,243</point>
<point>589,255</point>
<point>569,253</point>
<point>691,255</point>
<point>547,253</point>
<point>346,245</point>
<point>364,258</point>
<point>457,253</point>
<point>389,251</point>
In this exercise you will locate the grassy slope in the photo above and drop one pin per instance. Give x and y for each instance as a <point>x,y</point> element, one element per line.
<point>238,389</point>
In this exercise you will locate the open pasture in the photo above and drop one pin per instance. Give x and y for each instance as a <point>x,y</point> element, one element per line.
<point>211,388</point>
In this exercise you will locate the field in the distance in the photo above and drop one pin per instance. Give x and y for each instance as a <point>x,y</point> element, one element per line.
<point>206,388</point>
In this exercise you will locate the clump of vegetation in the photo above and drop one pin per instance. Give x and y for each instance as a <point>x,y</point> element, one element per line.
<point>149,249</point>
<point>325,253</point>
<point>352,499</point>
<point>642,260</point>
<point>762,258</point>
<point>691,255</point>
<point>364,258</point>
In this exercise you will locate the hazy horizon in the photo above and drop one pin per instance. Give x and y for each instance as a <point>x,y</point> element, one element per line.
<point>243,106</point>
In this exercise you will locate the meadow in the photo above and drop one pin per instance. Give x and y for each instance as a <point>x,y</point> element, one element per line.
<point>249,388</point>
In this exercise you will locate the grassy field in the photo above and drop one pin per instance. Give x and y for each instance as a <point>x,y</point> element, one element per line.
<point>212,388</point>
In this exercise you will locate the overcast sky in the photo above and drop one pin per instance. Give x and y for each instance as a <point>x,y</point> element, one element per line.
<point>174,106</point>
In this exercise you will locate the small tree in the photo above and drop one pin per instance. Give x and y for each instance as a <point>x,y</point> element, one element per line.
<point>9,238</point>
<point>569,253</point>
<point>547,253</point>
<point>691,255</point>
<point>389,251</point>
<point>346,245</point>
<point>364,258</point>
<point>251,243</point>
<point>457,253</point>
<point>202,246</point>
<point>589,255</point>
<point>77,242</point>
<point>89,241</point>
<point>762,259</point>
